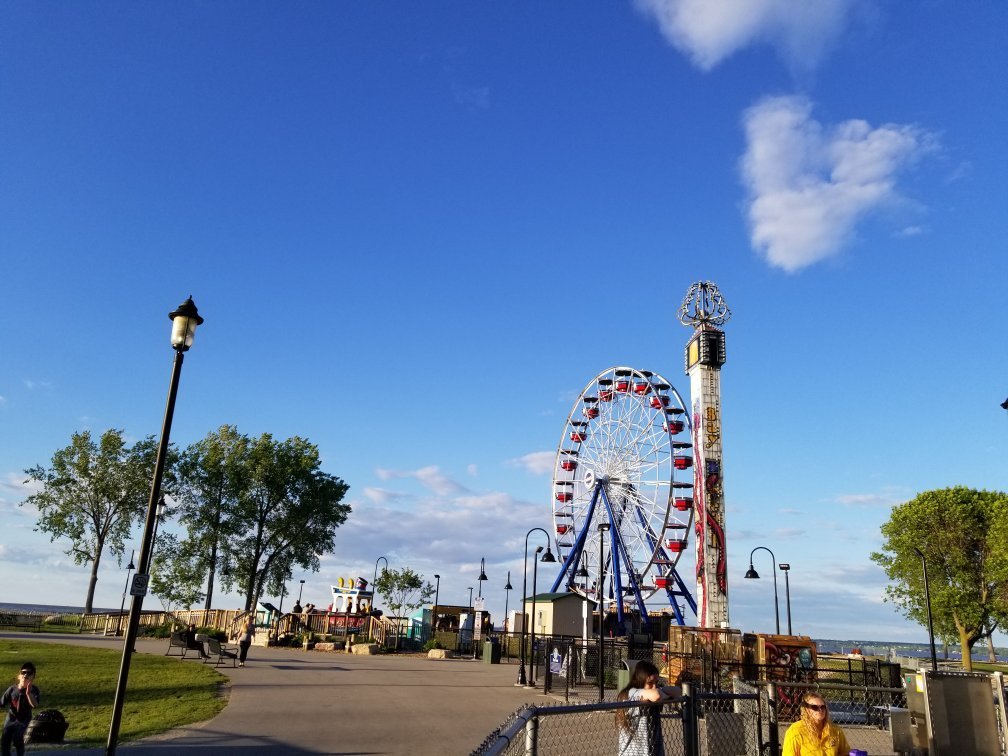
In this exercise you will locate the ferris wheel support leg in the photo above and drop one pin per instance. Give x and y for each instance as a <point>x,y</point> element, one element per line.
<point>572,559</point>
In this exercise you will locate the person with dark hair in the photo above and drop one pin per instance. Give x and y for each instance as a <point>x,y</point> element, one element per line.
<point>20,698</point>
<point>814,734</point>
<point>640,729</point>
<point>192,643</point>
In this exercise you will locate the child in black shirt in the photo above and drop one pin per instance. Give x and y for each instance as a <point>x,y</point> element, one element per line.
<point>19,699</point>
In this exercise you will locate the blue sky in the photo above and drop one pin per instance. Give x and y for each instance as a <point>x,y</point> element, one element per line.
<point>416,233</point>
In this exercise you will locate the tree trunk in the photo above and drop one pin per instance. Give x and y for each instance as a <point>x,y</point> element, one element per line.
<point>92,583</point>
<point>967,649</point>
<point>210,577</point>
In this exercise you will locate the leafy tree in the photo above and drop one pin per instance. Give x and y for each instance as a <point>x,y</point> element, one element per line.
<point>92,493</point>
<point>211,480</point>
<point>404,591</point>
<point>175,577</point>
<point>287,514</point>
<point>963,534</point>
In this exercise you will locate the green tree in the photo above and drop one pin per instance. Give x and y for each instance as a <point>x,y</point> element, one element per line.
<point>175,574</point>
<point>287,514</point>
<point>91,494</point>
<point>212,477</point>
<point>404,591</point>
<point>963,534</point>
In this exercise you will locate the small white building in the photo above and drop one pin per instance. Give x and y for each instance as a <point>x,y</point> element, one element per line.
<point>559,614</point>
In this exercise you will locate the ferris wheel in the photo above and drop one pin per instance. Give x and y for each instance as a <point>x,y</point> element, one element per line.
<point>623,492</point>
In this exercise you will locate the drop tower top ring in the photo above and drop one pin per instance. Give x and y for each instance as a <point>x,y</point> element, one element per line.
<point>703,306</point>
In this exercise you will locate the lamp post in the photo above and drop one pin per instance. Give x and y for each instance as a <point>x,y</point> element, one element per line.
<point>507,595</point>
<point>437,590</point>
<point>482,578</point>
<point>122,604</point>
<point>603,528</point>
<point>786,568</point>
<point>927,601</point>
<point>161,506</point>
<point>184,322</point>
<point>373,593</point>
<point>300,591</point>
<point>547,557</point>
<point>753,575</point>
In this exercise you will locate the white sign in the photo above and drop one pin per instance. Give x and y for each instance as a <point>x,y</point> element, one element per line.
<point>479,604</point>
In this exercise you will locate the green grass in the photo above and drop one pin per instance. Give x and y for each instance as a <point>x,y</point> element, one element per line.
<point>162,693</point>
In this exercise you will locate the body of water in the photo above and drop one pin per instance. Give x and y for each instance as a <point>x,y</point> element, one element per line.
<point>51,608</point>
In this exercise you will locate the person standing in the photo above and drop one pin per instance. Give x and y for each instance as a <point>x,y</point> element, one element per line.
<point>640,728</point>
<point>814,734</point>
<point>19,699</point>
<point>245,636</point>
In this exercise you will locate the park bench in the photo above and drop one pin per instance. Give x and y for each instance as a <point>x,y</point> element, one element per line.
<point>178,641</point>
<point>221,652</point>
<point>31,622</point>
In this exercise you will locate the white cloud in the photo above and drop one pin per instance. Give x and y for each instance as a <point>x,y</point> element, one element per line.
<point>537,463</point>
<point>472,470</point>
<point>382,495</point>
<point>809,185</point>
<point>430,477</point>
<point>708,31</point>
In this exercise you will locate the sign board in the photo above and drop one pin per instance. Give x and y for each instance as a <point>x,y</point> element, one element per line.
<point>479,604</point>
<point>478,624</point>
<point>139,585</point>
<point>556,661</point>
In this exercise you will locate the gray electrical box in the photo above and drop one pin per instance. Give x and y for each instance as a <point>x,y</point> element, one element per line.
<point>959,711</point>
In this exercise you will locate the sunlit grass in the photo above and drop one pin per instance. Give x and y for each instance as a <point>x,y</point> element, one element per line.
<point>162,693</point>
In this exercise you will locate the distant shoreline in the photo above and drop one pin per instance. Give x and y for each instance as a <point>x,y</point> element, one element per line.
<point>823,645</point>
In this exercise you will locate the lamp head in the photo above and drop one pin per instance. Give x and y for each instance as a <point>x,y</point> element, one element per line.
<point>130,566</point>
<point>751,573</point>
<point>509,587</point>
<point>482,571</point>
<point>184,322</point>
<point>548,556</point>
<point>437,577</point>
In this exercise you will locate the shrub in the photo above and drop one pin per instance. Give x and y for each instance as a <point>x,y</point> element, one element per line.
<point>432,644</point>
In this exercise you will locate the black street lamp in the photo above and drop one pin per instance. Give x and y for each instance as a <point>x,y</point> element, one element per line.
<point>547,557</point>
<point>507,595</point>
<point>184,322</point>
<point>927,601</point>
<point>470,600</point>
<point>753,575</point>
<point>786,568</point>
<point>437,590</point>
<point>373,593</point>
<point>482,578</point>
<point>161,506</point>
<point>300,591</point>
<point>122,605</point>
<point>603,528</point>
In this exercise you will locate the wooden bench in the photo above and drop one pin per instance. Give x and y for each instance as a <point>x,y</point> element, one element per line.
<point>221,651</point>
<point>178,641</point>
<point>31,622</point>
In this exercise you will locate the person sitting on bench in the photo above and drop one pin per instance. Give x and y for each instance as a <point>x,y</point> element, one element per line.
<point>192,643</point>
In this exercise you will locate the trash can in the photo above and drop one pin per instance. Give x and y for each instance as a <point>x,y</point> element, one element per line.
<point>491,651</point>
<point>624,673</point>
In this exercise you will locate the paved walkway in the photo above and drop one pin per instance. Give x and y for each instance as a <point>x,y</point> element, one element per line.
<point>289,701</point>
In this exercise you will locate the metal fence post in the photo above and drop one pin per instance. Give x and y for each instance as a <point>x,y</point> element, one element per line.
<point>532,734</point>
<point>691,738</point>
<point>772,730</point>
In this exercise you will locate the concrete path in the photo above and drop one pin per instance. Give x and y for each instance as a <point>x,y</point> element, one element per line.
<point>289,701</point>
